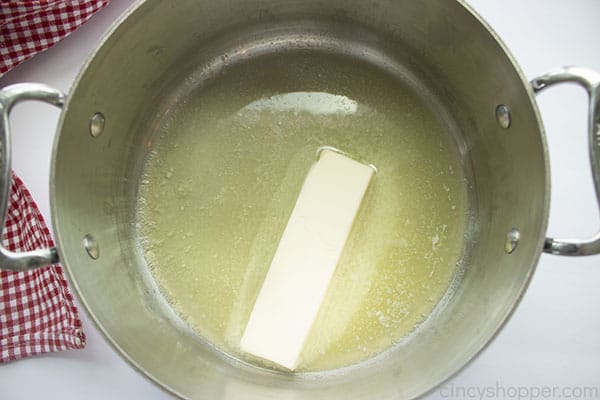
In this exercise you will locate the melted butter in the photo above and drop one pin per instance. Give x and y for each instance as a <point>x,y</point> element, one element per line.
<point>223,178</point>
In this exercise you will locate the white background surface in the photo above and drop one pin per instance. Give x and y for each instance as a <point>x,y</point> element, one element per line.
<point>553,339</point>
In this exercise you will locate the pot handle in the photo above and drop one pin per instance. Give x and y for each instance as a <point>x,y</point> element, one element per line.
<point>9,96</point>
<point>590,81</point>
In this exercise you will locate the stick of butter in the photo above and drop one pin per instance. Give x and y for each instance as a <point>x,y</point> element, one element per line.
<point>306,258</point>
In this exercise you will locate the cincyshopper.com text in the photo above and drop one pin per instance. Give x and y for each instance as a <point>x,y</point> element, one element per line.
<point>499,391</point>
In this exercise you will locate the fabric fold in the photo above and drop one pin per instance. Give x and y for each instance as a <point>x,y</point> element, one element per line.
<point>37,312</point>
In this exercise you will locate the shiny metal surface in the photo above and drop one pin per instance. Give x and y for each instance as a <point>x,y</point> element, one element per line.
<point>91,246</point>
<point>512,240</point>
<point>97,123</point>
<point>439,48</point>
<point>503,116</point>
<point>590,81</point>
<point>9,97</point>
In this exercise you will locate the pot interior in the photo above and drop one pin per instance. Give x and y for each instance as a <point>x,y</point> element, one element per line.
<point>162,56</point>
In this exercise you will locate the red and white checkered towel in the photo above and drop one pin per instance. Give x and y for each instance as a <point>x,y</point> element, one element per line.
<point>28,27</point>
<point>37,313</point>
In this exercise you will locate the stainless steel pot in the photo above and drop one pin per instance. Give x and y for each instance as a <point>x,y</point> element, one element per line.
<point>441,46</point>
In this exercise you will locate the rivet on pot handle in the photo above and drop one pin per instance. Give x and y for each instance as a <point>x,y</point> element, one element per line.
<point>9,96</point>
<point>590,80</point>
